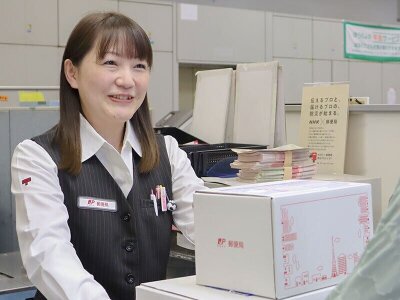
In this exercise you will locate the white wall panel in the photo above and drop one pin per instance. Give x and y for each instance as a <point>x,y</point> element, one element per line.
<point>328,39</point>
<point>390,79</point>
<point>220,34</point>
<point>161,83</point>
<point>296,72</point>
<point>156,20</point>
<point>8,241</point>
<point>29,22</point>
<point>365,80</point>
<point>29,65</point>
<point>71,11</point>
<point>322,70</point>
<point>292,37</point>
<point>340,71</point>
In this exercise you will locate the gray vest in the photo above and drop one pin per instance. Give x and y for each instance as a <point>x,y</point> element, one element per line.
<point>120,249</point>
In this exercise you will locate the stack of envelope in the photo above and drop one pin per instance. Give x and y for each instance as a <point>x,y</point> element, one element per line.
<point>281,163</point>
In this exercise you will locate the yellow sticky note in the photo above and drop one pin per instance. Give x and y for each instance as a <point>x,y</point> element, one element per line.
<point>31,96</point>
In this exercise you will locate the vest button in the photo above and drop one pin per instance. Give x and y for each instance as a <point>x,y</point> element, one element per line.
<point>129,247</point>
<point>130,279</point>
<point>126,217</point>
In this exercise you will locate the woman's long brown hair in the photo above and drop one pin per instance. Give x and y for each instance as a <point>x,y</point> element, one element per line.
<point>104,31</point>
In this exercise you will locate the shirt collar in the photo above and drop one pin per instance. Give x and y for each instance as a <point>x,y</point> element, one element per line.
<point>132,139</point>
<point>92,141</point>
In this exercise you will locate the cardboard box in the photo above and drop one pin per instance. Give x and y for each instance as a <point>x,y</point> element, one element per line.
<point>281,239</point>
<point>376,187</point>
<point>186,288</point>
<point>376,190</point>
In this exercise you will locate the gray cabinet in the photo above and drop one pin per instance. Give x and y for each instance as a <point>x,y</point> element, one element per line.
<point>71,11</point>
<point>296,72</point>
<point>29,22</point>
<point>292,36</point>
<point>15,126</point>
<point>160,92</point>
<point>29,65</point>
<point>269,33</point>
<point>208,34</point>
<point>340,71</point>
<point>365,80</point>
<point>322,71</point>
<point>155,19</point>
<point>390,79</point>
<point>327,39</point>
<point>7,227</point>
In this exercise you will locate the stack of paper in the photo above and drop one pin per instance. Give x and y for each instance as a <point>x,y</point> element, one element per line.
<point>285,162</point>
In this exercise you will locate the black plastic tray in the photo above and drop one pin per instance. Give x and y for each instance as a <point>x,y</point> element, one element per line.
<point>204,157</point>
<point>181,136</point>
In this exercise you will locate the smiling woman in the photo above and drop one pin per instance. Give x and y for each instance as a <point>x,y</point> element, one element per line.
<point>111,89</point>
<point>92,222</point>
<point>104,57</point>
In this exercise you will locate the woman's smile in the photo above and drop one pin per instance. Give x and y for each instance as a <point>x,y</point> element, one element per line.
<point>122,98</point>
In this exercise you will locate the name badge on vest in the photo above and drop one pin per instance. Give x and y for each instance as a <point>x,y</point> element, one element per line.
<point>98,204</point>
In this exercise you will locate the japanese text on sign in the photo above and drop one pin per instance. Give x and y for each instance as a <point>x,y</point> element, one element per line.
<point>323,129</point>
<point>370,42</point>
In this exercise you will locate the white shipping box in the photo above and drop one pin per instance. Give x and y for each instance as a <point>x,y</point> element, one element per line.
<point>186,288</point>
<point>281,239</point>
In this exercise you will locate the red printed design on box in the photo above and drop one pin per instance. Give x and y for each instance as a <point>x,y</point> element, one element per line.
<point>306,271</point>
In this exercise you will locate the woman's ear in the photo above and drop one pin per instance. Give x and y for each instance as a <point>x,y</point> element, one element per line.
<point>71,73</point>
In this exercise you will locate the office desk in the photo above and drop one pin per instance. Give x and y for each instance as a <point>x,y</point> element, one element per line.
<point>185,288</point>
<point>14,284</point>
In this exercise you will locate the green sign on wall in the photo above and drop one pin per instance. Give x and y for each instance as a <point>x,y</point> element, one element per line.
<point>368,42</point>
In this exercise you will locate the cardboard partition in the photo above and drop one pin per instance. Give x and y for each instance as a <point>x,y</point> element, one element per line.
<point>259,105</point>
<point>213,97</point>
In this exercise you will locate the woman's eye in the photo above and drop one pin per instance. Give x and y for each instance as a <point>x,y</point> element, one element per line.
<point>141,66</point>
<point>109,62</point>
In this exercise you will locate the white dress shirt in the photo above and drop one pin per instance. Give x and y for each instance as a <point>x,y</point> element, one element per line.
<point>44,237</point>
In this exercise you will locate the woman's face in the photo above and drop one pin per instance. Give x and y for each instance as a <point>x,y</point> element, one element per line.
<point>111,89</point>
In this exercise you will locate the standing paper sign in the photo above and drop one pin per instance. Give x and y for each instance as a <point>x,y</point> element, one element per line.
<point>323,128</point>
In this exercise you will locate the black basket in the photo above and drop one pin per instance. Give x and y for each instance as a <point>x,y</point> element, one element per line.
<point>181,136</point>
<point>204,157</point>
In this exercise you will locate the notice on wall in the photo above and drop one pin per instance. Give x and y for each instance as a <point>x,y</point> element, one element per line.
<point>323,128</point>
<point>189,12</point>
<point>31,96</point>
<point>370,42</point>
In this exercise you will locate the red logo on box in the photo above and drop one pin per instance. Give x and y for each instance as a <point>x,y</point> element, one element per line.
<point>222,242</point>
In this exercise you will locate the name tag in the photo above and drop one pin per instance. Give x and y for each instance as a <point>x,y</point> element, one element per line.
<point>96,203</point>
